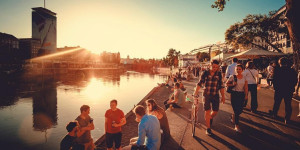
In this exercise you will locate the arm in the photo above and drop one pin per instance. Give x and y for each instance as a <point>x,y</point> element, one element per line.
<point>105,125</point>
<point>257,78</point>
<point>223,95</point>
<point>141,135</point>
<point>227,72</point>
<point>122,122</point>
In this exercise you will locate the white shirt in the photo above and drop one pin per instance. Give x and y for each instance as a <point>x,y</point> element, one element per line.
<point>240,86</point>
<point>230,70</point>
<point>270,69</point>
<point>251,79</point>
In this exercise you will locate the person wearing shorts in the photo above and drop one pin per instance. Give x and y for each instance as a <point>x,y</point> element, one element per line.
<point>114,119</point>
<point>211,79</point>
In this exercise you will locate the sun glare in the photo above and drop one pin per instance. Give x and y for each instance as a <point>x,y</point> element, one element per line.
<point>94,91</point>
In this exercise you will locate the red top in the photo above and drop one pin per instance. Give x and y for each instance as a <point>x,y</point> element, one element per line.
<point>115,116</point>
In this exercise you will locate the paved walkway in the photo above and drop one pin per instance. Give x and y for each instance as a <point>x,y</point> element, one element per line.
<point>259,131</point>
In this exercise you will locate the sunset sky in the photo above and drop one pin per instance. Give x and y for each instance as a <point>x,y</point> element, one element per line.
<point>138,28</point>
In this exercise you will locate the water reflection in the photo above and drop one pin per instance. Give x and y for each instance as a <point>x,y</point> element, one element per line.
<point>35,110</point>
<point>44,106</point>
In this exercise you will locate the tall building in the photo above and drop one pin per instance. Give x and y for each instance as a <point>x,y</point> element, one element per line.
<point>44,29</point>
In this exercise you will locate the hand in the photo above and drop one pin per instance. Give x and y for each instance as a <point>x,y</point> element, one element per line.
<point>115,125</point>
<point>223,99</point>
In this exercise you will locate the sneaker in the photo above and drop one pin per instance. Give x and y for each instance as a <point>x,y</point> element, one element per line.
<point>237,129</point>
<point>208,131</point>
<point>254,111</point>
<point>286,121</point>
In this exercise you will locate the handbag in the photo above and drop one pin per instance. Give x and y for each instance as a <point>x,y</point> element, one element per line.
<point>229,88</point>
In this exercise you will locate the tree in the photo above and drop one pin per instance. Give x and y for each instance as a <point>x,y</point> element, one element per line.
<point>172,58</point>
<point>202,56</point>
<point>262,26</point>
<point>292,22</point>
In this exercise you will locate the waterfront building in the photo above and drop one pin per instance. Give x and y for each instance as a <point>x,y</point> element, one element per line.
<point>187,60</point>
<point>9,48</point>
<point>29,47</point>
<point>44,29</point>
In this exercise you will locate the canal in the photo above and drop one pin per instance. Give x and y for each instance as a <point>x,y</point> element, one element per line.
<point>35,111</point>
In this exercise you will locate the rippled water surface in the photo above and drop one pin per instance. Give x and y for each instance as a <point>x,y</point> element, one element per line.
<point>35,111</point>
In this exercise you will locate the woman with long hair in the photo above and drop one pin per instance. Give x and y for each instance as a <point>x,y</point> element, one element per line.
<point>154,109</point>
<point>239,94</point>
<point>251,75</point>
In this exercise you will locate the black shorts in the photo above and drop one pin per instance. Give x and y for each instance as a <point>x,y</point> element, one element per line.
<point>213,100</point>
<point>113,137</point>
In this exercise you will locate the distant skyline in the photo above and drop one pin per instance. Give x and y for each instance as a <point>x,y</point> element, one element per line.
<point>138,28</point>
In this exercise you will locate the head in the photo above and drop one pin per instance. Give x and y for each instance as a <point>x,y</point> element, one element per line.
<point>234,60</point>
<point>250,65</point>
<point>113,104</point>
<point>139,112</point>
<point>72,126</point>
<point>239,69</point>
<point>177,85</point>
<point>151,105</point>
<point>214,64</point>
<point>283,61</point>
<point>224,64</point>
<point>85,110</point>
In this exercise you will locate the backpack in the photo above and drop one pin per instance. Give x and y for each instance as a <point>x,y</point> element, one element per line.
<point>229,88</point>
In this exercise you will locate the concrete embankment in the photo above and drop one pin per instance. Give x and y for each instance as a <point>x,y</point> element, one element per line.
<point>130,129</point>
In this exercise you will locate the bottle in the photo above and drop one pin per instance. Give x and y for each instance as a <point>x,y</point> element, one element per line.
<point>113,122</point>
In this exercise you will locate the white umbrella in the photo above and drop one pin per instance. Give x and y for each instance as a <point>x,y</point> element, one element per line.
<point>256,53</point>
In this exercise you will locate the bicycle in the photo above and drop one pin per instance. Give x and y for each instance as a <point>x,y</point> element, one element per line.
<point>194,117</point>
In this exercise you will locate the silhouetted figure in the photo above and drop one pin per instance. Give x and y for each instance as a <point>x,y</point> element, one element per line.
<point>284,81</point>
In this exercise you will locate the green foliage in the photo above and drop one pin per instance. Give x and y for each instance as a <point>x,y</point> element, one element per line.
<point>202,56</point>
<point>263,26</point>
<point>172,58</point>
<point>219,4</point>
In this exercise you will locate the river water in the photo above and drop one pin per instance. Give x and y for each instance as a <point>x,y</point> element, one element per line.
<point>34,111</point>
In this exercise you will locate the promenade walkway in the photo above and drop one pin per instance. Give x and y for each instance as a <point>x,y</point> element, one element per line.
<point>259,131</point>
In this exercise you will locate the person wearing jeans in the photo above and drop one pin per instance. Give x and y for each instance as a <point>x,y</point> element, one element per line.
<point>251,75</point>
<point>239,94</point>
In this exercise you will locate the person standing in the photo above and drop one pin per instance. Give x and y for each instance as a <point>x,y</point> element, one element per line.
<point>148,129</point>
<point>223,69</point>
<point>284,82</point>
<point>86,122</point>
<point>270,70</point>
<point>212,81</point>
<point>231,68</point>
<point>239,94</point>
<point>251,75</point>
<point>114,119</point>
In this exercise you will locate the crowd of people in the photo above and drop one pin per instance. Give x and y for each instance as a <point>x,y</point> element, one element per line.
<point>216,81</point>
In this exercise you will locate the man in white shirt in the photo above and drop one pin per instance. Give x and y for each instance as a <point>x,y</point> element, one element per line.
<point>231,68</point>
